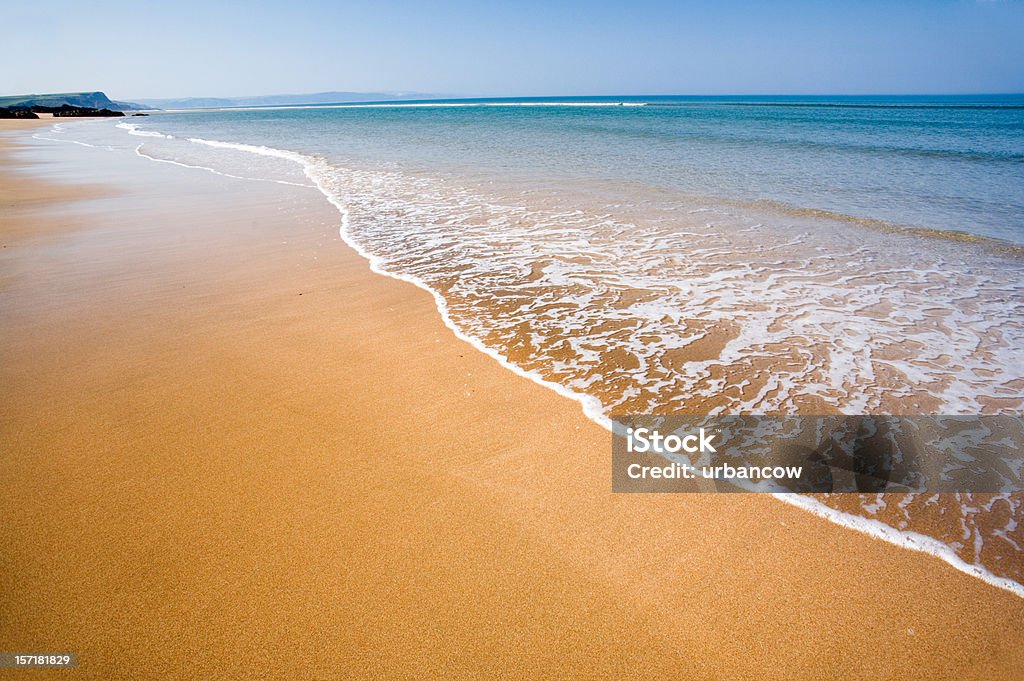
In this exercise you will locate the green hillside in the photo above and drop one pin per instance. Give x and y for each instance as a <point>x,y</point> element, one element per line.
<point>92,100</point>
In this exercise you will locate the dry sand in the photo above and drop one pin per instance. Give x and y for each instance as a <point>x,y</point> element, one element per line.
<point>229,450</point>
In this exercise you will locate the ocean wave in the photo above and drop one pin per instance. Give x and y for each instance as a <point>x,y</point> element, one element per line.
<point>142,154</point>
<point>134,129</point>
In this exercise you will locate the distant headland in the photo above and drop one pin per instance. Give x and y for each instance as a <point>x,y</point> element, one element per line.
<point>98,104</point>
<point>65,104</point>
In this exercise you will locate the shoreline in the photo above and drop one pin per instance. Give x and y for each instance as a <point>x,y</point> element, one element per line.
<point>319,395</point>
<point>591,407</point>
<point>914,538</point>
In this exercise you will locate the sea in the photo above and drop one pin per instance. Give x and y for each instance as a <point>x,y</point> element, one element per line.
<point>688,255</point>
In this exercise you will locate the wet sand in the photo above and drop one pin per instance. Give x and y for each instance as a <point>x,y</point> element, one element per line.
<point>230,450</point>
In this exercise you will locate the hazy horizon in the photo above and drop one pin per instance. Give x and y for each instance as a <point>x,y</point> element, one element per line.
<point>427,96</point>
<point>530,48</point>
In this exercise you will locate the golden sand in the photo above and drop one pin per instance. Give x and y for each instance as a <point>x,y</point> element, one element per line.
<point>229,450</point>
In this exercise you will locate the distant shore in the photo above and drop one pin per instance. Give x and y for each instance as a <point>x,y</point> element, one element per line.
<point>232,450</point>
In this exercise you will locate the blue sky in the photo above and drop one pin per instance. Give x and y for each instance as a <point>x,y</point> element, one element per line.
<point>195,48</point>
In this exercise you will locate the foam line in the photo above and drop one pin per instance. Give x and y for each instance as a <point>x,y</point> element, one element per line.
<point>58,128</point>
<point>37,136</point>
<point>915,541</point>
<point>134,129</point>
<point>139,152</point>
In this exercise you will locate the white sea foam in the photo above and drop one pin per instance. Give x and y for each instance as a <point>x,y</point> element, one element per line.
<point>39,136</point>
<point>591,307</point>
<point>142,154</point>
<point>60,129</point>
<point>904,538</point>
<point>134,129</point>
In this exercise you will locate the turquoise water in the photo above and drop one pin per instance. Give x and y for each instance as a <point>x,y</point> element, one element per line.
<point>694,255</point>
<point>946,163</point>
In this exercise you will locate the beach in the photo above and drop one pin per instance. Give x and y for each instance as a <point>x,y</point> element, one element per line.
<point>232,450</point>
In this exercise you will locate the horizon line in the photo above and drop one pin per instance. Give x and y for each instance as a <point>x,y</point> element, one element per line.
<point>431,96</point>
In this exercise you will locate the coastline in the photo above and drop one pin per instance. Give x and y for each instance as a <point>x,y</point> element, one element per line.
<point>219,414</point>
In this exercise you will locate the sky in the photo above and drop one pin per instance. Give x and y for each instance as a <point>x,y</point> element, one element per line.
<point>181,48</point>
